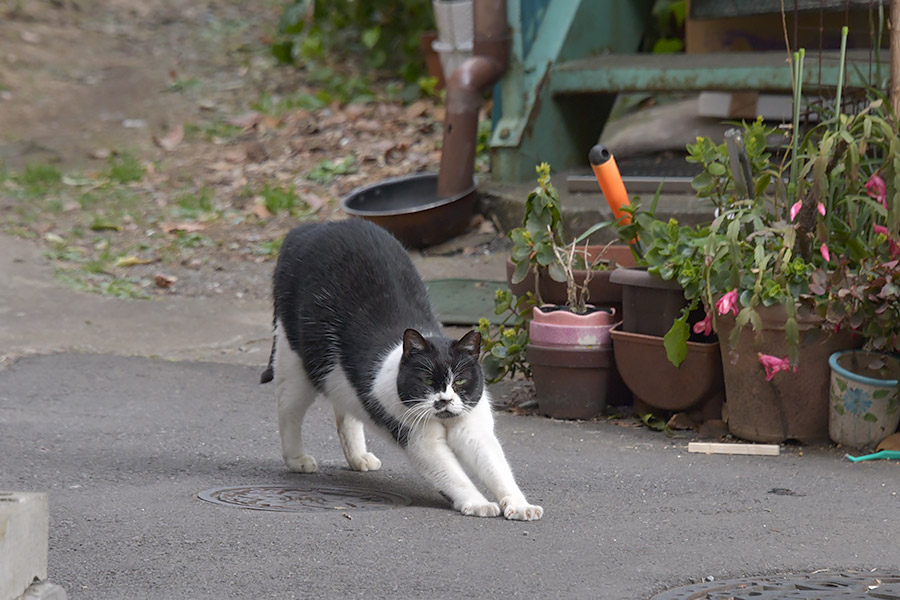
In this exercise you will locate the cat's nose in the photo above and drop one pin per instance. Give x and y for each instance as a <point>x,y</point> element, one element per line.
<point>441,403</point>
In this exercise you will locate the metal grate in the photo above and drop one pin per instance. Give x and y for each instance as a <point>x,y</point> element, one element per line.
<point>821,586</point>
<point>293,498</point>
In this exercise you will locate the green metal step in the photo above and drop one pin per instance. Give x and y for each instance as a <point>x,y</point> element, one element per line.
<point>759,71</point>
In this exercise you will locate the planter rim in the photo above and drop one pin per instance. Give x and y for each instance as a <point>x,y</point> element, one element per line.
<point>856,377</point>
<point>641,277</point>
<point>616,332</point>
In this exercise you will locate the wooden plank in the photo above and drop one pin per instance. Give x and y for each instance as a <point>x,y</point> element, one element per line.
<point>748,449</point>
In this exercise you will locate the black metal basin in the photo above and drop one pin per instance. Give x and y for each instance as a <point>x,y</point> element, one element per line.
<point>409,208</point>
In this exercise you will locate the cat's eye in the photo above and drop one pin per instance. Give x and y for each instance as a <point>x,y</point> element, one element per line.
<point>460,382</point>
<point>428,381</point>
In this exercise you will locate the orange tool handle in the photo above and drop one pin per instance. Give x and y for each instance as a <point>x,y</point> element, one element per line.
<point>606,170</point>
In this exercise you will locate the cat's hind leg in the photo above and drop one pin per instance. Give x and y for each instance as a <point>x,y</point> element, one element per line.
<point>353,442</point>
<point>295,393</point>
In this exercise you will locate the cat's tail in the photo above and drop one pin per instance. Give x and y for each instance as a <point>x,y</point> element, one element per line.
<point>269,374</point>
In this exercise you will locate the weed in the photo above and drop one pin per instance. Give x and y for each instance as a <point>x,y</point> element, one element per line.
<point>268,248</point>
<point>125,168</point>
<point>326,171</point>
<point>39,179</point>
<point>279,200</point>
<point>196,206</point>
<point>213,131</point>
<point>192,240</point>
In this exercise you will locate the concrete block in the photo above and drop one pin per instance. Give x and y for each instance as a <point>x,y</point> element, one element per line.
<point>24,530</point>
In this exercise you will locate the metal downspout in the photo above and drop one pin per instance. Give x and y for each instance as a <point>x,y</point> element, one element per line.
<point>464,95</point>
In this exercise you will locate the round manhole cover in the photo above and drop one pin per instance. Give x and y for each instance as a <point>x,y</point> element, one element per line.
<point>822,586</point>
<point>294,498</point>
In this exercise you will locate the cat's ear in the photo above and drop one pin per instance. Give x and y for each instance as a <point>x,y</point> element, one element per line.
<point>470,343</point>
<point>413,342</point>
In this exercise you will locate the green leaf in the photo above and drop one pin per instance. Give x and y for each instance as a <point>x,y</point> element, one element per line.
<point>675,341</point>
<point>283,52</point>
<point>839,408</point>
<point>520,272</point>
<point>556,272</point>
<point>293,18</point>
<point>371,36</point>
<point>870,418</point>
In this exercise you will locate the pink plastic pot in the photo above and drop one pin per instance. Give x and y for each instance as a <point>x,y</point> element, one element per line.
<point>564,328</point>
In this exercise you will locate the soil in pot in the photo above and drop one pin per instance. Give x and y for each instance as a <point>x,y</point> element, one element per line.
<point>792,406</point>
<point>864,402</point>
<point>697,386</point>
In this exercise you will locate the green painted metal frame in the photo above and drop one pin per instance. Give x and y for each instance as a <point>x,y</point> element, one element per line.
<point>533,124</point>
<point>758,71</point>
<point>570,57</point>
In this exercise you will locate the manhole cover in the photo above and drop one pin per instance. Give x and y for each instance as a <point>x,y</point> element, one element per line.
<point>293,498</point>
<point>821,586</point>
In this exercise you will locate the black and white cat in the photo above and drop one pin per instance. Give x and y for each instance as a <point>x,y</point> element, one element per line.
<point>353,324</point>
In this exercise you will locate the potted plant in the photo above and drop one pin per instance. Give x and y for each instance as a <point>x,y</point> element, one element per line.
<point>687,369</point>
<point>534,267</point>
<point>562,344</point>
<point>569,351</point>
<point>781,219</point>
<point>865,299</point>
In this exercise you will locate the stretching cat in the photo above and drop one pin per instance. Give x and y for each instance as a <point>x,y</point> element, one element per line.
<point>353,324</point>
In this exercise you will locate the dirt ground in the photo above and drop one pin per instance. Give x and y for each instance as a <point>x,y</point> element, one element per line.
<point>187,94</point>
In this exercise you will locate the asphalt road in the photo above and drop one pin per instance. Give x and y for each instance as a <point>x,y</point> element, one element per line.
<point>122,446</point>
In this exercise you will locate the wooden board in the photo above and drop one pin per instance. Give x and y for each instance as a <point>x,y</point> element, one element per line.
<point>750,449</point>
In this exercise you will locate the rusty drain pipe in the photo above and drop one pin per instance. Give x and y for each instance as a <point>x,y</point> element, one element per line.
<point>490,48</point>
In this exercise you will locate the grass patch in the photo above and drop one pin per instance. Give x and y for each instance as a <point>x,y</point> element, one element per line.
<point>328,170</point>
<point>125,168</point>
<point>39,179</point>
<point>196,206</point>
<point>269,248</point>
<point>213,131</point>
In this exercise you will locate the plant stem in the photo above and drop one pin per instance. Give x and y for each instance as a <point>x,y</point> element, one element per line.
<point>840,82</point>
<point>798,86</point>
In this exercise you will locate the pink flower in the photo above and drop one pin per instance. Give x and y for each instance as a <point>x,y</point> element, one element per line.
<point>825,254</point>
<point>880,229</point>
<point>728,303</point>
<point>821,208</point>
<point>877,189</point>
<point>704,326</point>
<point>773,364</point>
<point>796,209</point>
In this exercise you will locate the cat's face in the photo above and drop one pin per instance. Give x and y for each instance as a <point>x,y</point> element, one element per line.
<point>439,377</point>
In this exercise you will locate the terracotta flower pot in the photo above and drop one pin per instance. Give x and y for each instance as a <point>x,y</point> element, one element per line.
<point>602,292</point>
<point>572,382</point>
<point>792,406</point>
<point>696,387</point>
<point>649,304</point>
<point>864,407</point>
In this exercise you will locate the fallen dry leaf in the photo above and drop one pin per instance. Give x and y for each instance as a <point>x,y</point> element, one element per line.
<point>131,260</point>
<point>165,281</point>
<point>171,139</point>
<point>259,209</point>
<point>187,227</point>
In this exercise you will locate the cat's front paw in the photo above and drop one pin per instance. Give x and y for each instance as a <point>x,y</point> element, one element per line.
<point>520,510</point>
<point>365,462</point>
<point>480,509</point>
<point>302,464</point>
